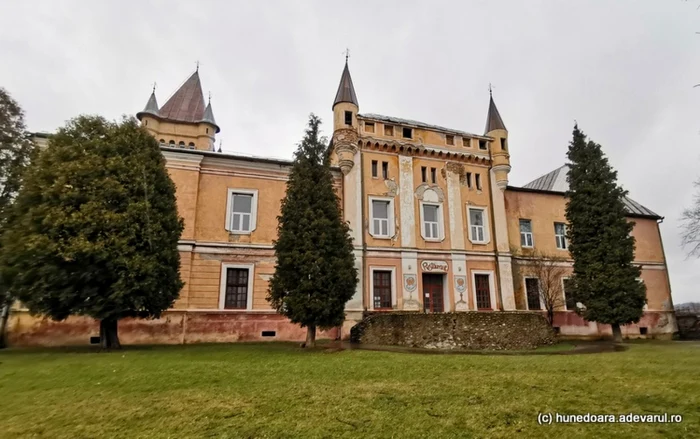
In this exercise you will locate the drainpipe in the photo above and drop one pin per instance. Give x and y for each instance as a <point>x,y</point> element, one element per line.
<point>365,266</point>
<point>493,228</point>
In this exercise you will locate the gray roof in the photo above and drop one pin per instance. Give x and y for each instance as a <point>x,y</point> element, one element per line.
<point>493,119</point>
<point>399,121</point>
<point>556,181</point>
<point>209,116</point>
<point>151,105</point>
<point>346,91</point>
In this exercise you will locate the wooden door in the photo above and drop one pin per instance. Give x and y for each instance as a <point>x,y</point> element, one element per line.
<point>483,291</point>
<point>433,293</point>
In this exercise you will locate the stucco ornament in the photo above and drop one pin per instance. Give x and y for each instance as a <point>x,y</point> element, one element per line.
<point>392,188</point>
<point>345,143</point>
<point>426,192</point>
<point>410,283</point>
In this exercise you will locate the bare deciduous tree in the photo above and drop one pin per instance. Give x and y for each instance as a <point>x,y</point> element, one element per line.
<point>691,225</point>
<point>549,272</point>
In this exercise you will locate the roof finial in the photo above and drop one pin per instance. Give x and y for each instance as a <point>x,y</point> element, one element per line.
<point>221,141</point>
<point>490,90</point>
<point>197,63</point>
<point>154,87</point>
<point>210,97</point>
<point>347,54</point>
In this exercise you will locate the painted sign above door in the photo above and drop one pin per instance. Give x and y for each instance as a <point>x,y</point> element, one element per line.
<point>434,266</point>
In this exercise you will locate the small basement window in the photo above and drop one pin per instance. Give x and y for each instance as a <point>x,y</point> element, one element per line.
<point>369,127</point>
<point>450,140</point>
<point>643,330</point>
<point>389,130</point>
<point>385,170</point>
<point>374,169</point>
<point>482,144</point>
<point>408,133</point>
<point>269,333</point>
<point>348,118</point>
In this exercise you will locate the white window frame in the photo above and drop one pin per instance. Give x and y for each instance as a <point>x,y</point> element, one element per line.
<point>485,214</point>
<point>222,287</point>
<point>539,293</point>
<point>391,226</point>
<point>374,268</point>
<point>556,237</point>
<point>492,288</point>
<point>440,222</point>
<point>526,234</point>
<point>253,210</point>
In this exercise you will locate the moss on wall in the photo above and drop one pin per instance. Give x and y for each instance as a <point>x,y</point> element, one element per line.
<point>468,330</point>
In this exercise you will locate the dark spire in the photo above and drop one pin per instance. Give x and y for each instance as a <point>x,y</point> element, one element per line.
<point>346,91</point>
<point>208,116</point>
<point>493,119</point>
<point>151,106</point>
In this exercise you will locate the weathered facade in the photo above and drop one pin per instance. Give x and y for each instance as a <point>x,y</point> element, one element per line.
<point>436,227</point>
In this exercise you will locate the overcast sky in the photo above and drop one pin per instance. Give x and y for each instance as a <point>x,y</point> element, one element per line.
<point>624,70</point>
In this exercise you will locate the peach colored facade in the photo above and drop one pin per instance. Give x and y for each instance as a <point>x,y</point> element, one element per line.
<point>434,223</point>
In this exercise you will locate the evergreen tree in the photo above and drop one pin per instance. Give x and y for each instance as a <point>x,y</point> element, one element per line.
<point>315,273</point>
<point>16,151</point>
<point>95,227</point>
<point>600,240</point>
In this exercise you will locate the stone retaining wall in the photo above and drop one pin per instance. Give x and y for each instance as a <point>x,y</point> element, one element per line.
<point>464,330</point>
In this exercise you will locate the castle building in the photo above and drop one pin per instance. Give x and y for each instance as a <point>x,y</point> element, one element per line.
<point>436,228</point>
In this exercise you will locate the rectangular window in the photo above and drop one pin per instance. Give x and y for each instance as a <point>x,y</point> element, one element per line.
<point>374,169</point>
<point>477,178</point>
<point>569,295</point>
<point>382,289</point>
<point>466,142</point>
<point>433,175</point>
<point>476,225</point>
<point>389,130</point>
<point>369,127</point>
<point>483,291</point>
<point>380,218</point>
<point>560,235</point>
<point>449,140</point>
<point>526,233</point>
<point>424,174</point>
<point>503,145</point>
<point>469,180</point>
<point>408,133</point>
<point>236,296</point>
<point>385,170</point>
<point>431,221</point>
<point>532,289</point>
<point>241,212</point>
<point>482,144</point>
<point>348,118</point>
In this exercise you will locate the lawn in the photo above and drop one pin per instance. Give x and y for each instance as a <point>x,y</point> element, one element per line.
<point>278,390</point>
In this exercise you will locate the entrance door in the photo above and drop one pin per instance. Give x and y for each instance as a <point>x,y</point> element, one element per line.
<point>433,293</point>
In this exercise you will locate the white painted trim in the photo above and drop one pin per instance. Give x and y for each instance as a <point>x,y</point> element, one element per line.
<point>556,242</point>
<point>532,236</point>
<point>391,227</point>
<point>374,268</point>
<point>539,293</point>
<point>492,287</point>
<point>487,234</point>
<point>563,292</point>
<point>222,287</point>
<point>440,217</point>
<point>253,209</point>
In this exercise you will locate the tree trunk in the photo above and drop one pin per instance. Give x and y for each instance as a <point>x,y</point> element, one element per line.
<point>310,337</point>
<point>4,317</point>
<point>109,336</point>
<point>550,316</point>
<point>617,333</point>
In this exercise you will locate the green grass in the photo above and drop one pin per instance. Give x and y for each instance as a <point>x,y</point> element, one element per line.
<point>278,390</point>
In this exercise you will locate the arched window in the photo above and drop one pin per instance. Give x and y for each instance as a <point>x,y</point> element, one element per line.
<point>191,145</point>
<point>162,142</point>
<point>171,144</point>
<point>181,144</point>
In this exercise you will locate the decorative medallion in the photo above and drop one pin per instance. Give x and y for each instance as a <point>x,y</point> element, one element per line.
<point>461,284</point>
<point>409,282</point>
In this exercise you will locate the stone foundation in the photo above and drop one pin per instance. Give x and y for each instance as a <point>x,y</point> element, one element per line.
<point>174,327</point>
<point>468,330</point>
<point>653,324</point>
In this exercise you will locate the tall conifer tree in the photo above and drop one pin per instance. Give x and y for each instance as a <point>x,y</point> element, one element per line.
<point>315,274</point>
<point>605,278</point>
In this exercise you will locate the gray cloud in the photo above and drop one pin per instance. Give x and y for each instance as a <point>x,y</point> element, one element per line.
<point>624,70</point>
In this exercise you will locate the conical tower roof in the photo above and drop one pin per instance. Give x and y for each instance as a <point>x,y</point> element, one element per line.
<point>187,103</point>
<point>346,91</point>
<point>151,107</point>
<point>493,119</point>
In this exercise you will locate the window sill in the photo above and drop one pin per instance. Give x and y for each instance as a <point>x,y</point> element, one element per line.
<point>239,233</point>
<point>380,237</point>
<point>432,239</point>
<point>479,242</point>
<point>528,247</point>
